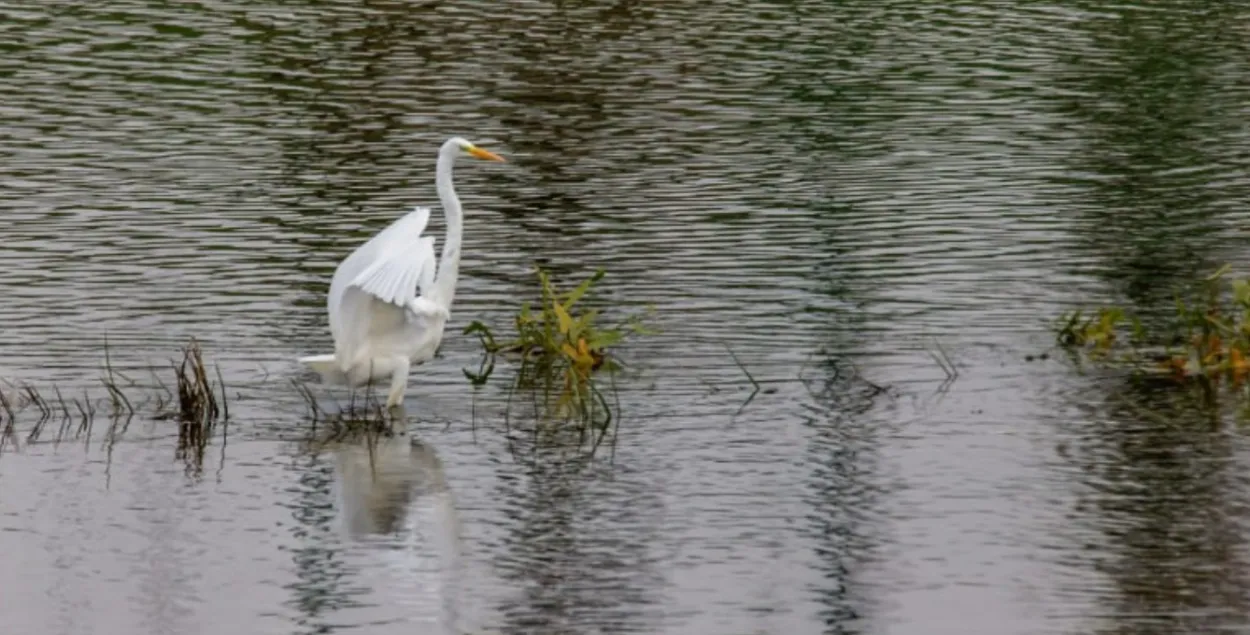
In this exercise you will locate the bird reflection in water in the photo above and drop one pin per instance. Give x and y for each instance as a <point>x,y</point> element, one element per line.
<point>381,479</point>
<point>393,501</point>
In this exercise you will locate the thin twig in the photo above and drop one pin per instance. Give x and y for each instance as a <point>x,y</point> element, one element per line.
<point>225,407</point>
<point>4,402</point>
<point>64,408</point>
<point>160,384</point>
<point>38,401</point>
<point>10,432</point>
<point>751,378</point>
<point>108,368</point>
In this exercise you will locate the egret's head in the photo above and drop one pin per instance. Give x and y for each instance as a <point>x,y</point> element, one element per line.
<point>474,151</point>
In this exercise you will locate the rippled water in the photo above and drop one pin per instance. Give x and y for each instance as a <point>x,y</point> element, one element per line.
<point>820,186</point>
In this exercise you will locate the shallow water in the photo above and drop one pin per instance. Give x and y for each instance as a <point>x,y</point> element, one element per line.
<point>831,190</point>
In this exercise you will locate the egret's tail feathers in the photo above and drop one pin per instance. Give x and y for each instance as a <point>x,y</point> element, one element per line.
<point>327,367</point>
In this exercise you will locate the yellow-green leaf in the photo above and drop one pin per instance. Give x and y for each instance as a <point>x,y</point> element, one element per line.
<point>604,339</point>
<point>566,322</point>
<point>581,289</point>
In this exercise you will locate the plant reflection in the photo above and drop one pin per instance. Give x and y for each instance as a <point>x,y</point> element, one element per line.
<point>1156,469</point>
<point>1156,123</point>
<point>1165,483</point>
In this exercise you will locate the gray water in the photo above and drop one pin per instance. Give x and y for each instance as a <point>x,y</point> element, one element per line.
<point>831,190</point>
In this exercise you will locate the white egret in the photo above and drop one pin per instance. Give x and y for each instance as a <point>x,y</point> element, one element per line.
<point>388,302</point>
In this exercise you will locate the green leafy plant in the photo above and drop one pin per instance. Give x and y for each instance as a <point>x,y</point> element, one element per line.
<point>1097,331</point>
<point>560,348</point>
<point>1208,337</point>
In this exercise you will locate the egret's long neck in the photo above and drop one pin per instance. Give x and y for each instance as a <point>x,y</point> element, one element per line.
<point>449,267</point>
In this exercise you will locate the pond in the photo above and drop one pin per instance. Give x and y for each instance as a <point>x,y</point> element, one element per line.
<point>841,194</point>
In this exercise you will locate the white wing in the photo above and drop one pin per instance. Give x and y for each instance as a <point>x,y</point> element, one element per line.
<point>394,275</point>
<point>374,289</point>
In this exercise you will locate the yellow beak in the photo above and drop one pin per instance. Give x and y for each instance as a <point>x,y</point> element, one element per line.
<point>484,154</point>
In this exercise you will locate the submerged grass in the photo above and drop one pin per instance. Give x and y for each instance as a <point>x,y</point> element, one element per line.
<point>198,406</point>
<point>364,417</point>
<point>561,350</point>
<point>1207,339</point>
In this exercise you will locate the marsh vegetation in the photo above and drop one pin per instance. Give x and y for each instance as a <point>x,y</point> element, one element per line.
<point>1206,338</point>
<point>563,358</point>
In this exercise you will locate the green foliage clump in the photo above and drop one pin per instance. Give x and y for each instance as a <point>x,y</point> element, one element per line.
<point>1097,332</point>
<point>561,348</point>
<point>1209,335</point>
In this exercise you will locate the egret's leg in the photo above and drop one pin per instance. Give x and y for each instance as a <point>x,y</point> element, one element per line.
<point>399,382</point>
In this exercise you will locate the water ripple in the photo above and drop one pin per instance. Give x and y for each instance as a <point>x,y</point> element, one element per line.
<point>810,185</point>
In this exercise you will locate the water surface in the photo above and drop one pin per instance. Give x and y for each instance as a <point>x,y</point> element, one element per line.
<point>827,189</point>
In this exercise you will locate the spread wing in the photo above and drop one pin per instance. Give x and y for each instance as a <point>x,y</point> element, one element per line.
<point>396,274</point>
<point>374,288</point>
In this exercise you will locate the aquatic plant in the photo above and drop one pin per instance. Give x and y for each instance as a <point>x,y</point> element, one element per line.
<point>560,349</point>
<point>197,398</point>
<point>1208,337</point>
<point>199,404</point>
<point>362,416</point>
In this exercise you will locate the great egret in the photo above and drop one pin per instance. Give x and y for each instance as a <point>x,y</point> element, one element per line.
<point>381,325</point>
